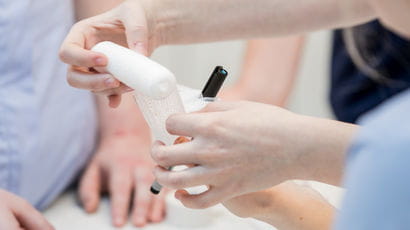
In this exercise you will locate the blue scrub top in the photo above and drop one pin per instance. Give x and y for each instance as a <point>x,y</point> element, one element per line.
<point>47,128</point>
<point>352,92</point>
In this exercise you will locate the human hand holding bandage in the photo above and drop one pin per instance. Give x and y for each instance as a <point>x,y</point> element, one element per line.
<point>237,148</point>
<point>126,25</point>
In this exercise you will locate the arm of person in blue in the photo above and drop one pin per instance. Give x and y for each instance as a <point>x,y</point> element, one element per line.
<point>378,168</point>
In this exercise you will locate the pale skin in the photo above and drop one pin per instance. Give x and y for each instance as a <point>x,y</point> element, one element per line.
<point>121,165</point>
<point>287,206</point>
<point>285,145</point>
<point>222,146</point>
<point>18,214</point>
<point>269,70</point>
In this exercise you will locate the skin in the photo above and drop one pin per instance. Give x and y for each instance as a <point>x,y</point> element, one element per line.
<point>18,214</point>
<point>229,155</point>
<point>121,165</point>
<point>268,71</point>
<point>299,148</point>
<point>144,25</point>
<point>287,206</point>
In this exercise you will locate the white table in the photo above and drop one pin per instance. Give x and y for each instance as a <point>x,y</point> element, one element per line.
<point>65,214</point>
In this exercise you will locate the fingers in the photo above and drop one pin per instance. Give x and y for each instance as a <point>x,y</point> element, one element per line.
<point>142,196</point>
<point>172,155</point>
<point>91,81</point>
<point>90,187</point>
<point>201,201</point>
<point>114,100</point>
<point>8,221</point>
<point>73,50</point>
<point>28,217</point>
<point>186,124</point>
<point>187,178</point>
<point>157,212</point>
<point>120,186</point>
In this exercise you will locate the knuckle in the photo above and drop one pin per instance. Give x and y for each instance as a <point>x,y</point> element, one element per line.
<point>210,127</point>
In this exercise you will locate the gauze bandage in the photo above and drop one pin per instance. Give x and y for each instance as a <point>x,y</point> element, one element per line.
<point>155,88</point>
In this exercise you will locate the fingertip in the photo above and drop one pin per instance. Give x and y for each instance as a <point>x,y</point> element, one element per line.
<point>157,213</point>
<point>100,60</point>
<point>89,204</point>
<point>158,143</point>
<point>156,218</point>
<point>111,82</point>
<point>118,221</point>
<point>180,194</point>
<point>114,100</point>
<point>139,221</point>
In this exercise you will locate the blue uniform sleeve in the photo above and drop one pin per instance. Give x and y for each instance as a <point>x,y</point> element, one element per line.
<point>377,179</point>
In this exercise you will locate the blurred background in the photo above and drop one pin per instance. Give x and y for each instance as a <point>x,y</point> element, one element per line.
<point>192,65</point>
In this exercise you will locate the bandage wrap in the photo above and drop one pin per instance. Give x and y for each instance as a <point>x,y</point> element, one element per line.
<point>155,86</point>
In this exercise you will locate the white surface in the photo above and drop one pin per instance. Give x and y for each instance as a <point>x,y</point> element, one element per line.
<point>65,214</point>
<point>137,71</point>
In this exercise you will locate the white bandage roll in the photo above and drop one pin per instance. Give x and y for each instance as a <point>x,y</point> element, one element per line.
<point>137,71</point>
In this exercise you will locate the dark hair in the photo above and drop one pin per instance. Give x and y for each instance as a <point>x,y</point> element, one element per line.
<point>368,44</point>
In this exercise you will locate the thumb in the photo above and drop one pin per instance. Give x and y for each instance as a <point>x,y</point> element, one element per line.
<point>136,29</point>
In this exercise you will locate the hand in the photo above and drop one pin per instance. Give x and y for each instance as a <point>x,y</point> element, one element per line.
<point>125,25</point>
<point>243,147</point>
<point>236,147</point>
<point>122,167</point>
<point>18,214</point>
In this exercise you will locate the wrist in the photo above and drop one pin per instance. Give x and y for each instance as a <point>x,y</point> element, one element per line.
<point>137,135</point>
<point>325,145</point>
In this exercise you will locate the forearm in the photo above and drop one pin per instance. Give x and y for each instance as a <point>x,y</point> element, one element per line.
<point>297,209</point>
<point>269,70</point>
<point>187,21</point>
<point>286,206</point>
<point>325,143</point>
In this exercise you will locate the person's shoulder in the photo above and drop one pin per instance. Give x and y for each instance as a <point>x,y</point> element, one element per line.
<point>393,111</point>
<point>385,130</point>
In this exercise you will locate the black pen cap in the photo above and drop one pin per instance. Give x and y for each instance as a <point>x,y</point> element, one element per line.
<point>215,82</point>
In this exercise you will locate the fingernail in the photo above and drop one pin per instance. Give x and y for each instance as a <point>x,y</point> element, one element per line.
<point>100,61</point>
<point>139,222</point>
<point>118,221</point>
<point>110,82</point>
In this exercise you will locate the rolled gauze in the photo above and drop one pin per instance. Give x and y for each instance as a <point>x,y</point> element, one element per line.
<point>155,88</point>
<point>137,71</point>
